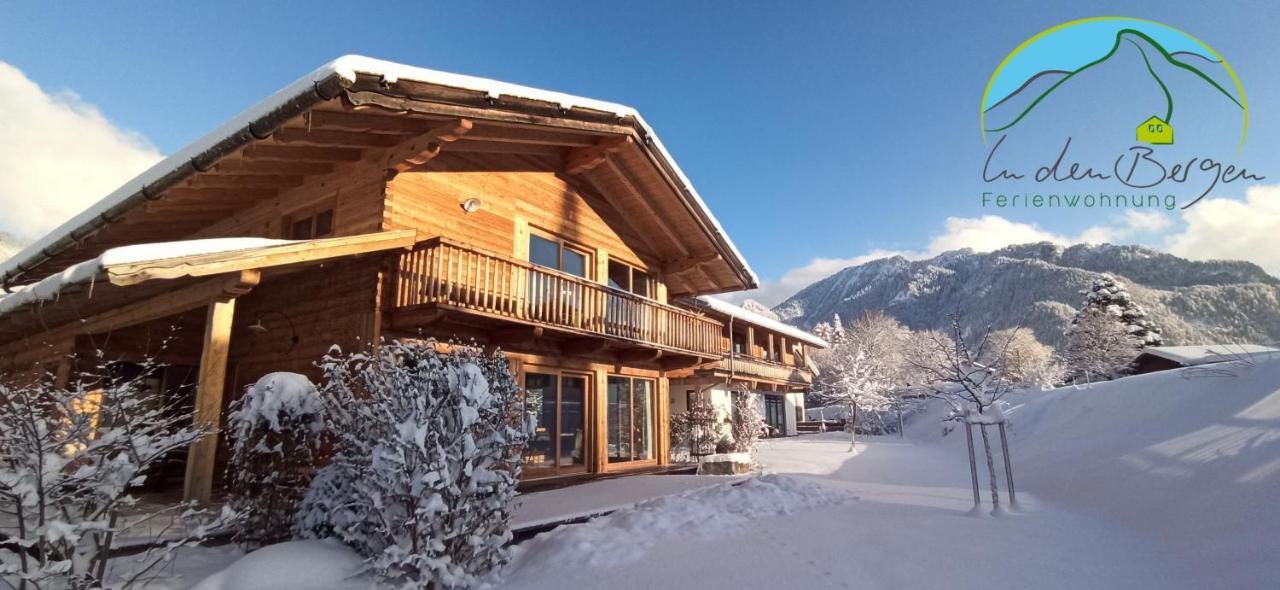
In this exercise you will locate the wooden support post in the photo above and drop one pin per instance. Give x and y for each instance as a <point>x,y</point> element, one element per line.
<point>213,374</point>
<point>202,455</point>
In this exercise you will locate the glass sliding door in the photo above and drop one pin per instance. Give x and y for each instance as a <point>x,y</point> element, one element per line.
<point>555,421</point>
<point>573,436</point>
<point>540,393</point>
<point>630,419</point>
<point>775,414</point>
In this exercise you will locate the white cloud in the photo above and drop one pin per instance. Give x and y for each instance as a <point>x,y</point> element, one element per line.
<point>980,234</point>
<point>58,155</point>
<point>1232,229</point>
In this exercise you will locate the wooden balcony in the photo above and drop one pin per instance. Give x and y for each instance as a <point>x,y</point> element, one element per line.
<point>444,274</point>
<point>749,367</point>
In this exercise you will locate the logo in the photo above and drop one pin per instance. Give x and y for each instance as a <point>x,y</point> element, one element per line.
<point>1112,112</point>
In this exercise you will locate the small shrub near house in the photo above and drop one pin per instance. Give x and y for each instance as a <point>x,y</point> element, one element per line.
<point>426,459</point>
<point>276,430</point>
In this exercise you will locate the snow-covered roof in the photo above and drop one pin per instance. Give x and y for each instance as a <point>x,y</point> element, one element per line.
<point>50,287</point>
<point>345,69</point>
<point>724,307</point>
<point>1205,354</point>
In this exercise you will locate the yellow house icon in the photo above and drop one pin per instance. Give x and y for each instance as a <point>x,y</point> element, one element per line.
<point>1155,131</point>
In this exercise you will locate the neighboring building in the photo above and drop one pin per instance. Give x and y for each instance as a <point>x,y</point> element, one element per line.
<point>386,201</point>
<point>760,354</point>
<point>1164,358</point>
<point>1155,131</point>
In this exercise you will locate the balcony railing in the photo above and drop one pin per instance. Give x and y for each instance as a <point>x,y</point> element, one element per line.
<point>745,365</point>
<point>443,272</point>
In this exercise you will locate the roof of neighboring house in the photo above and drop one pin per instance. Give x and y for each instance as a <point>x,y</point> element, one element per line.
<point>322,85</point>
<point>1205,354</point>
<point>729,309</point>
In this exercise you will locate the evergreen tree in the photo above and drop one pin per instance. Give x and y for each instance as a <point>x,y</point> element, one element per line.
<point>1112,297</point>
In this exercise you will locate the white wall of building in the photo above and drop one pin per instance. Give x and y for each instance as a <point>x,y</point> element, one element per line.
<point>722,401</point>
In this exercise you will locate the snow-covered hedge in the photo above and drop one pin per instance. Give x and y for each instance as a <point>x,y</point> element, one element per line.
<point>275,431</point>
<point>426,458</point>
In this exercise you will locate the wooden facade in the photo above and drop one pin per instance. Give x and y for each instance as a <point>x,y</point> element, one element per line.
<point>414,209</point>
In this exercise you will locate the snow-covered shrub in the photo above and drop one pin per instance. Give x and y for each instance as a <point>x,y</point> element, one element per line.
<point>70,460</point>
<point>426,458</point>
<point>276,431</point>
<point>748,420</point>
<point>694,432</point>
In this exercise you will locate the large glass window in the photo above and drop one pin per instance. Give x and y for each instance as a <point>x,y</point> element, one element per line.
<point>628,278</point>
<point>558,255</point>
<point>630,419</point>
<point>555,420</point>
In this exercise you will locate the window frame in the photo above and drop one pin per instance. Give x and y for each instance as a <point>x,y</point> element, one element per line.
<point>617,462</point>
<point>651,292</point>
<point>562,244</point>
<point>311,215</point>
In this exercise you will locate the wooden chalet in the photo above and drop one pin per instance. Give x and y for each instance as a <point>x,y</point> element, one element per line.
<point>758,354</point>
<point>386,201</point>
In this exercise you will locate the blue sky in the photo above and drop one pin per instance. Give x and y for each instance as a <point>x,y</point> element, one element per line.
<point>814,130</point>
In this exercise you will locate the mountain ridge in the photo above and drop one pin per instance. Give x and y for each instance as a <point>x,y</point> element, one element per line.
<point>1037,285</point>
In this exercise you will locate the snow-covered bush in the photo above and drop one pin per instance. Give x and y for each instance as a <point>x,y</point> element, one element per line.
<point>426,458</point>
<point>748,421</point>
<point>694,432</point>
<point>70,460</point>
<point>276,431</point>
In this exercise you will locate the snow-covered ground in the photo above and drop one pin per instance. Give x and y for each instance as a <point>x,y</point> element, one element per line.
<point>1157,481</point>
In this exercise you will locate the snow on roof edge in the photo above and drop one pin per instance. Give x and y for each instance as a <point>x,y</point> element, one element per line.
<point>51,287</point>
<point>730,309</point>
<point>347,68</point>
<point>1192,355</point>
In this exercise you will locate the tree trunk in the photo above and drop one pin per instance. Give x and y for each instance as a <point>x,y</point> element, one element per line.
<point>852,425</point>
<point>991,469</point>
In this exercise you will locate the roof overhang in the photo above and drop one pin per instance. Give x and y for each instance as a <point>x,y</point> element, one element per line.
<point>609,146</point>
<point>128,275</point>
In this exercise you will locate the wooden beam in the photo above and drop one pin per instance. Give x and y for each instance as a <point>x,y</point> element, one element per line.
<point>688,263</point>
<point>425,147</point>
<point>202,456</point>
<point>144,311</point>
<point>237,166</point>
<point>639,197</point>
<point>581,346</point>
<point>212,194</point>
<point>329,138</point>
<point>583,159</point>
<point>518,333</point>
<point>301,153</point>
<point>366,123</point>
<point>259,258</point>
<point>639,355</point>
<point>237,181</point>
<point>532,136</point>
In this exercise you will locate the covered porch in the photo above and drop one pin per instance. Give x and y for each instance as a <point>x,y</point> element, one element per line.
<point>218,313</point>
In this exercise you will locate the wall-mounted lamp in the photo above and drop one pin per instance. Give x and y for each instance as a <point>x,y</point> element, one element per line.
<point>472,205</point>
<point>260,328</point>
